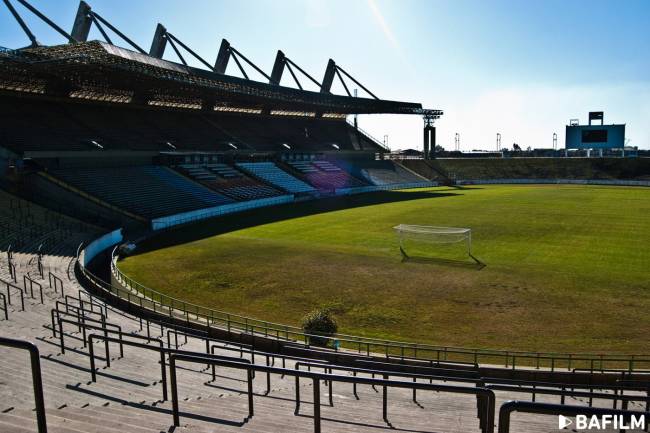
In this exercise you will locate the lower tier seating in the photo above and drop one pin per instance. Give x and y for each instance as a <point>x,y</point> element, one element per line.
<point>271,173</point>
<point>382,172</point>
<point>325,176</point>
<point>148,191</point>
<point>228,181</point>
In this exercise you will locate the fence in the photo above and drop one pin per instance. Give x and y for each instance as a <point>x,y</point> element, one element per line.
<point>485,396</point>
<point>373,188</point>
<point>553,181</point>
<point>197,215</point>
<point>481,384</point>
<point>128,289</point>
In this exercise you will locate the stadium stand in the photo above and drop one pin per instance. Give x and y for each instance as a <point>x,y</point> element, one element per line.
<point>533,168</point>
<point>381,172</point>
<point>149,191</point>
<point>271,173</point>
<point>324,175</point>
<point>227,181</point>
<point>51,125</point>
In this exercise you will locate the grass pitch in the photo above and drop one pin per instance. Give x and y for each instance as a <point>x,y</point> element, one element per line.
<point>567,267</point>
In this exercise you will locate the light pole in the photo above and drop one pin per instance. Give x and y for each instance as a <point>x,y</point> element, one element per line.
<point>554,141</point>
<point>498,141</point>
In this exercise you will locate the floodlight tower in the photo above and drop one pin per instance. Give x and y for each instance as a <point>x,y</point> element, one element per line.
<point>429,117</point>
<point>356,125</point>
<point>498,141</point>
<point>554,141</point>
<point>457,141</point>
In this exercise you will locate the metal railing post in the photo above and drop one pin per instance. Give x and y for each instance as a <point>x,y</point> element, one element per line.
<point>316,382</point>
<point>172,382</point>
<point>37,381</point>
<point>249,377</point>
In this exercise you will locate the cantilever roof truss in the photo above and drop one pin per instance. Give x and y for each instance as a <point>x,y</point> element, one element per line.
<point>101,65</point>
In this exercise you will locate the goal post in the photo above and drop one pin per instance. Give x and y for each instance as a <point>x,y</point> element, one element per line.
<point>410,235</point>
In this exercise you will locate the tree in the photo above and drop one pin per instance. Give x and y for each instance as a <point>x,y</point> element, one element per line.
<point>320,321</point>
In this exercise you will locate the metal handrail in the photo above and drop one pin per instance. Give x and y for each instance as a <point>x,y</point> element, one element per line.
<point>555,409</point>
<point>31,286</point>
<point>161,349</point>
<point>37,381</point>
<point>12,271</point>
<point>10,286</point>
<point>562,393</point>
<point>384,373</point>
<point>424,372</point>
<point>369,136</point>
<point>287,333</point>
<point>487,395</point>
<point>572,385</point>
<point>58,282</point>
<point>3,298</point>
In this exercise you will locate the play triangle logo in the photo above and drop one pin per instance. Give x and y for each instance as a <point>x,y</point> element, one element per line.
<point>564,422</point>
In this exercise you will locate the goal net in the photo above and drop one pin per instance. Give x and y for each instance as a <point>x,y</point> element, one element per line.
<point>445,242</point>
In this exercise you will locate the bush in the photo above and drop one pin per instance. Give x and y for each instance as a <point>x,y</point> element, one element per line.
<point>319,322</point>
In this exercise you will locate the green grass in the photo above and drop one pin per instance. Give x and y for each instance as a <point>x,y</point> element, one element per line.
<point>567,267</point>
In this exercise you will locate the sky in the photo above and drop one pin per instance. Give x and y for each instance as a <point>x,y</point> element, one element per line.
<point>519,68</point>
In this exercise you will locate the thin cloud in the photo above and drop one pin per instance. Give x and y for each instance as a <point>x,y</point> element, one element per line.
<point>382,23</point>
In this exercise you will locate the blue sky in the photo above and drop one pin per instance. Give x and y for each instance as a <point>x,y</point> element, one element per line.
<point>519,68</point>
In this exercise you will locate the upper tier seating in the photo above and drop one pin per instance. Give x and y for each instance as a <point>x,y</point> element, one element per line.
<point>272,174</point>
<point>149,191</point>
<point>228,181</point>
<point>382,172</point>
<point>325,176</point>
<point>41,125</point>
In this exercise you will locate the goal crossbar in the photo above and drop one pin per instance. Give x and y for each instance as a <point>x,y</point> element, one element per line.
<point>434,234</point>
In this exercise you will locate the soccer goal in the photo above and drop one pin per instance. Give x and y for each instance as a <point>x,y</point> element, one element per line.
<point>443,242</point>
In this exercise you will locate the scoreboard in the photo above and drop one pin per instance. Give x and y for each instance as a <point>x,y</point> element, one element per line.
<point>595,136</point>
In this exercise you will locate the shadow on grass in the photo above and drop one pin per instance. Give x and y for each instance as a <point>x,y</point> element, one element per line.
<point>476,264</point>
<point>224,224</point>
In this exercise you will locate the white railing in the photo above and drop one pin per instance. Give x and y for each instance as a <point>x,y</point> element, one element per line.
<point>200,214</point>
<point>98,245</point>
<point>372,188</point>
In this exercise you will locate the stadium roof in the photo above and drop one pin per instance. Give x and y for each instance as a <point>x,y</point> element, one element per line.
<point>101,66</point>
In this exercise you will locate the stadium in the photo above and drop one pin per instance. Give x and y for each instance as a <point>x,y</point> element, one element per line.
<point>184,250</point>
